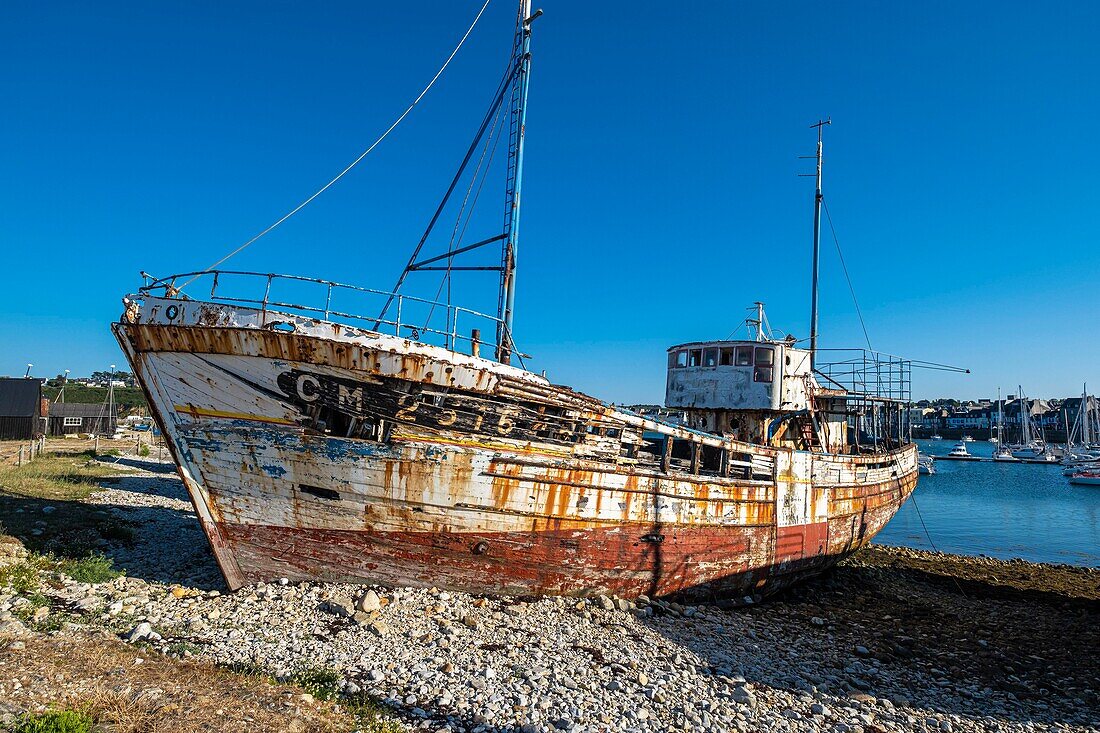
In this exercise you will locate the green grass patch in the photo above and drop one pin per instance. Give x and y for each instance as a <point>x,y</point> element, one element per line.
<point>324,684</point>
<point>25,577</point>
<point>95,568</point>
<point>182,649</point>
<point>55,721</point>
<point>22,577</point>
<point>371,716</point>
<point>249,669</point>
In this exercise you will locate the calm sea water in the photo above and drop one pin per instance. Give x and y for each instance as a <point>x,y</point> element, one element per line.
<point>1002,510</point>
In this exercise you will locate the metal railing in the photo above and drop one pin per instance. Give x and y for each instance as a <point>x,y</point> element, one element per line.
<point>868,374</point>
<point>879,391</point>
<point>413,317</point>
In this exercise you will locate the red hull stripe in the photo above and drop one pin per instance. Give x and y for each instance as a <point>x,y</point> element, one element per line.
<point>625,560</point>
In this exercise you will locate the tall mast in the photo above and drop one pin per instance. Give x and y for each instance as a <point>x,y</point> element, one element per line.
<point>1086,439</point>
<point>1000,419</point>
<point>817,247</point>
<point>1025,417</point>
<point>507,300</point>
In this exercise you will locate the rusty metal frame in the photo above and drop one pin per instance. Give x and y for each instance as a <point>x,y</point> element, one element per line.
<point>870,375</point>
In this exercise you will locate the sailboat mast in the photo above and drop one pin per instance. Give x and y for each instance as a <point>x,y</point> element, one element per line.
<point>1086,438</point>
<point>1000,419</point>
<point>1025,418</point>
<point>515,181</point>
<point>817,248</point>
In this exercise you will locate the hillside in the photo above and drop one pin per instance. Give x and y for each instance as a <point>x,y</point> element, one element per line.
<point>127,398</point>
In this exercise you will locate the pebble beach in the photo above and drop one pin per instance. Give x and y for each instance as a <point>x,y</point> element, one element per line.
<point>891,640</point>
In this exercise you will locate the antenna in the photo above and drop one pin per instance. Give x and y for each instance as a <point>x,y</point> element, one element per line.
<point>763,328</point>
<point>817,242</point>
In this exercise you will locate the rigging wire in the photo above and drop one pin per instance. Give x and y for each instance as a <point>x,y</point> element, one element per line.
<point>363,155</point>
<point>457,235</point>
<point>844,267</point>
<point>489,116</point>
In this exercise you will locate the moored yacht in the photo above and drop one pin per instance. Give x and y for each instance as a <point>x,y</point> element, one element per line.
<point>1086,478</point>
<point>959,451</point>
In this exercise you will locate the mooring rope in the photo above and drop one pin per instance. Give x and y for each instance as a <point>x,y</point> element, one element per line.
<point>364,154</point>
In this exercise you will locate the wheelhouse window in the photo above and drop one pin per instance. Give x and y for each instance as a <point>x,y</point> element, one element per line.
<point>744,356</point>
<point>677,359</point>
<point>726,358</point>
<point>765,359</point>
<point>695,357</point>
<point>710,357</point>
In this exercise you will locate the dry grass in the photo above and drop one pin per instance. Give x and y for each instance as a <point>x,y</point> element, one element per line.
<point>128,690</point>
<point>9,449</point>
<point>40,505</point>
<point>56,476</point>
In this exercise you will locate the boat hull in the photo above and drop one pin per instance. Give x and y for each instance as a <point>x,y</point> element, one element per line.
<point>501,506</point>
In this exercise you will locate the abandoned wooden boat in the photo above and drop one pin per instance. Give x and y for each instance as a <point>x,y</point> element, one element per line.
<point>321,443</point>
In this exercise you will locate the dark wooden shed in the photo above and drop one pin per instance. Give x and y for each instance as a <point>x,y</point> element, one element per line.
<point>75,417</point>
<point>21,408</point>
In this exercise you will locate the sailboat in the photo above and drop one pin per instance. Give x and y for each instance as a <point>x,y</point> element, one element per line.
<point>1081,451</point>
<point>1030,447</point>
<point>318,442</point>
<point>1002,452</point>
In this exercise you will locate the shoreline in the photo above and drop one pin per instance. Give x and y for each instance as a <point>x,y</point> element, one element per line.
<point>892,639</point>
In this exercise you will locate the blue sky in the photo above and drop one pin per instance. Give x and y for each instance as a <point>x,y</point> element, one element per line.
<point>661,197</point>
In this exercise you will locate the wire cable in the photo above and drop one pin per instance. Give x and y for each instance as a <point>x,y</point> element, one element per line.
<point>844,267</point>
<point>364,154</point>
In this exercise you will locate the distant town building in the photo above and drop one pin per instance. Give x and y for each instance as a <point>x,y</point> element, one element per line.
<point>973,418</point>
